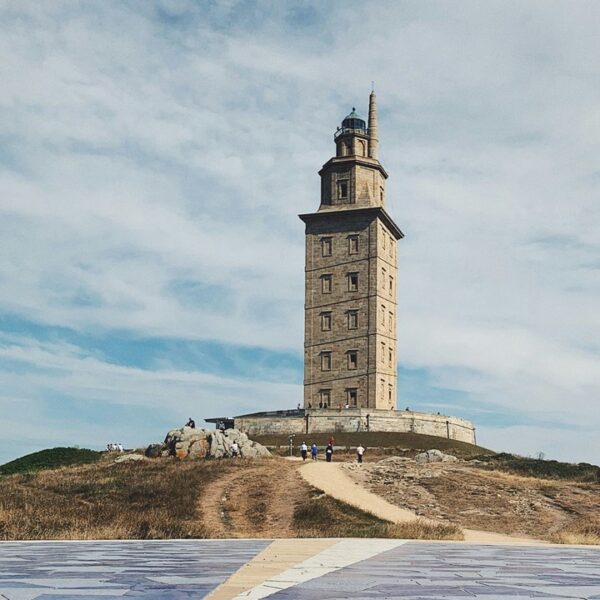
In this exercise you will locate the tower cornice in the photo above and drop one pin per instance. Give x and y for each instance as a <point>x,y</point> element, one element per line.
<point>355,160</point>
<point>371,212</point>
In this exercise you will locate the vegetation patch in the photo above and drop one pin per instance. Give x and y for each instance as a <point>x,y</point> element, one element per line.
<point>376,442</point>
<point>51,458</point>
<point>546,469</point>
<point>324,516</point>
<point>146,500</point>
<point>582,531</point>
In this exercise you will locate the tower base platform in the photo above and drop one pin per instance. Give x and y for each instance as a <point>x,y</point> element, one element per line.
<point>352,420</point>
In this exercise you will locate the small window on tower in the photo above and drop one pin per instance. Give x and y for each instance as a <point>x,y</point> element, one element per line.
<point>326,245</point>
<point>326,284</point>
<point>343,190</point>
<point>382,351</point>
<point>391,321</point>
<point>381,194</point>
<point>326,321</point>
<point>352,319</point>
<point>383,237</point>
<point>352,282</point>
<point>390,392</point>
<point>352,396</point>
<point>324,398</point>
<point>352,359</point>
<point>383,276</point>
<point>382,311</point>
<point>381,389</point>
<point>390,357</point>
<point>325,361</point>
<point>391,285</point>
<point>352,244</point>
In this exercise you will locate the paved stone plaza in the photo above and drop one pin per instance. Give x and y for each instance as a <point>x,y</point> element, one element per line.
<point>377,569</point>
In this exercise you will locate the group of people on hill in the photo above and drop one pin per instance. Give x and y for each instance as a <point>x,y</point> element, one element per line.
<point>113,447</point>
<point>314,451</point>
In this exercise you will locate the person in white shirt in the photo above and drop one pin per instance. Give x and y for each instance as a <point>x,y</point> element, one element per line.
<point>359,453</point>
<point>235,449</point>
<point>303,450</point>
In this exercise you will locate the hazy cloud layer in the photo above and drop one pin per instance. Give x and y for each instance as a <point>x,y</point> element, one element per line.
<point>154,157</point>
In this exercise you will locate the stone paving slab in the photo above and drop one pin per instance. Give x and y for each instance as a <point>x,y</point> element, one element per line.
<point>152,570</point>
<point>178,570</point>
<point>418,571</point>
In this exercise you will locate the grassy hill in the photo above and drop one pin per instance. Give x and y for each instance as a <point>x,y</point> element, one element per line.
<point>51,458</point>
<point>383,442</point>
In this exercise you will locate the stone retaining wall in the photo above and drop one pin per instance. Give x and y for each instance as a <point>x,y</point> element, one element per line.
<point>351,420</point>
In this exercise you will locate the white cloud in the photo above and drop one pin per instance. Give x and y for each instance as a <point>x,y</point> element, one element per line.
<point>155,160</point>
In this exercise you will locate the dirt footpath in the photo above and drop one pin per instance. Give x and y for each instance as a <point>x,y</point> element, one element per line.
<point>334,480</point>
<point>256,501</point>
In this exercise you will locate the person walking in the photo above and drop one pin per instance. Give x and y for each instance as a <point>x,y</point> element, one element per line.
<point>313,451</point>
<point>303,451</point>
<point>329,453</point>
<point>359,453</point>
<point>235,449</point>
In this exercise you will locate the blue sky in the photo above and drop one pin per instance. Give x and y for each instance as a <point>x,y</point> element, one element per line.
<point>154,157</point>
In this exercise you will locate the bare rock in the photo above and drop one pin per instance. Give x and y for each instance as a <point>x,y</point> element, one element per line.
<point>130,458</point>
<point>186,442</point>
<point>434,456</point>
<point>154,450</point>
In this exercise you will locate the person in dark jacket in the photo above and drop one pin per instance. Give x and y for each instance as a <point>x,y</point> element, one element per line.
<point>191,423</point>
<point>329,453</point>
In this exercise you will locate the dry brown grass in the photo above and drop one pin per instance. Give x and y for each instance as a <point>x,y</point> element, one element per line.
<point>425,530</point>
<point>107,501</point>
<point>323,516</point>
<point>582,531</point>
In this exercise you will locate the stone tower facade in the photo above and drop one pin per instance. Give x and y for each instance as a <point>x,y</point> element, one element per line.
<point>351,278</point>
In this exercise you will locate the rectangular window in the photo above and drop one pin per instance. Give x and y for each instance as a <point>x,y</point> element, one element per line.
<point>383,237</point>
<point>382,351</point>
<point>353,282</point>
<point>382,388</point>
<point>352,244</point>
<point>326,284</point>
<point>326,246</point>
<point>391,321</point>
<point>324,398</point>
<point>352,396</point>
<point>390,357</point>
<point>390,392</point>
<point>383,277</point>
<point>352,319</point>
<point>326,321</point>
<point>352,359</point>
<point>343,190</point>
<point>382,314</point>
<point>381,194</point>
<point>391,247</point>
<point>391,285</point>
<point>325,361</point>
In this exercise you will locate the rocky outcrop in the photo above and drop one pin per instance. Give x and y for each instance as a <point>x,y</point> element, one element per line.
<point>434,456</point>
<point>188,442</point>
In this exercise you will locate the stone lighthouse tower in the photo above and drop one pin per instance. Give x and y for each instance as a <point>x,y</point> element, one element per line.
<point>351,278</point>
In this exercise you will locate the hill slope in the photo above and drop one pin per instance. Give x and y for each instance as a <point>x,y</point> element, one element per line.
<point>51,458</point>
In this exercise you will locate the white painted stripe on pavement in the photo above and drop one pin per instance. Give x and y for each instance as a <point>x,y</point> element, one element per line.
<point>342,554</point>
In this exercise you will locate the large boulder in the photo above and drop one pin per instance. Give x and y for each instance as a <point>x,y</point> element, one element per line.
<point>188,442</point>
<point>434,456</point>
